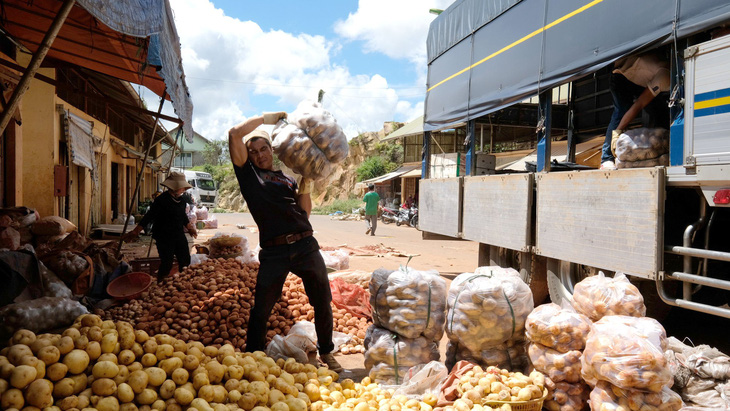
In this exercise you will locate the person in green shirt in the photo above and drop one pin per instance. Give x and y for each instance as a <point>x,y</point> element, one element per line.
<point>371,200</point>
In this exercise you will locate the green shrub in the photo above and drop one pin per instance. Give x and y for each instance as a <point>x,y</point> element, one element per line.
<point>373,167</point>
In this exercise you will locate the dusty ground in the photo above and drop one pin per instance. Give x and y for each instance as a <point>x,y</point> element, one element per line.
<point>389,248</point>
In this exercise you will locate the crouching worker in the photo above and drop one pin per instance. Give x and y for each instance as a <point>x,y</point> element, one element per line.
<point>168,218</point>
<point>281,210</point>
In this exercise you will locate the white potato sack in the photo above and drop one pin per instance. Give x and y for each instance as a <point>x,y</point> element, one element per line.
<point>555,364</point>
<point>391,355</point>
<point>310,141</point>
<point>488,309</point>
<point>606,397</point>
<point>627,352</point>
<point>565,396</point>
<point>511,355</point>
<point>409,302</point>
<point>662,160</point>
<point>642,144</point>
<point>598,296</point>
<point>556,327</point>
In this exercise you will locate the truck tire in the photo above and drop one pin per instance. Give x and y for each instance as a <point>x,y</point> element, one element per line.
<point>562,276</point>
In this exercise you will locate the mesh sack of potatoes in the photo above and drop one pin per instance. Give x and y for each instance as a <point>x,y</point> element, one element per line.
<point>556,327</point>
<point>310,141</point>
<point>607,397</point>
<point>662,160</point>
<point>628,352</point>
<point>226,245</point>
<point>409,302</point>
<point>511,355</point>
<point>40,314</point>
<point>565,396</point>
<point>598,295</point>
<point>642,144</point>
<point>557,365</point>
<point>388,356</point>
<point>487,309</point>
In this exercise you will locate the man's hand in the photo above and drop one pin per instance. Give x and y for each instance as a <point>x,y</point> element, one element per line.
<point>132,235</point>
<point>273,117</point>
<point>192,230</point>
<point>305,187</point>
<point>615,134</point>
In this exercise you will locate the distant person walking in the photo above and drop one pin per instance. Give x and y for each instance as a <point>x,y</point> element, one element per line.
<point>371,200</point>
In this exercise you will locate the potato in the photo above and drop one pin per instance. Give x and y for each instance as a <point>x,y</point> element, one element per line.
<point>108,357</point>
<point>40,393</point>
<point>105,369</point>
<point>49,355</point>
<point>135,366</point>
<point>16,353</point>
<point>141,336</point>
<point>183,396</point>
<point>207,392</point>
<point>39,343</point>
<point>216,371</point>
<point>167,389</point>
<point>201,405</point>
<point>171,364</point>
<point>125,393</point>
<point>146,397</point>
<point>150,346</point>
<point>200,379</point>
<point>6,370</point>
<point>65,344</point>
<point>149,360</point>
<point>156,376</point>
<point>126,357</point>
<point>25,337</point>
<point>12,398</point>
<point>104,387</point>
<point>108,404</point>
<point>128,407</point>
<point>64,388</point>
<point>94,333</point>
<point>81,381</point>
<point>39,366</point>
<point>159,405</point>
<point>76,361</point>
<point>90,320</point>
<point>180,376</point>
<point>109,343</point>
<point>67,403</point>
<point>22,375</point>
<point>191,362</point>
<point>247,401</point>
<point>81,342</point>
<point>138,380</point>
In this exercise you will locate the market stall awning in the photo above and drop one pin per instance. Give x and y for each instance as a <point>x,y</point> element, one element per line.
<point>393,174</point>
<point>132,40</point>
<point>412,128</point>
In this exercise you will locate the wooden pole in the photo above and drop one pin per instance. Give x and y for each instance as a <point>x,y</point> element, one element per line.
<point>141,172</point>
<point>35,63</point>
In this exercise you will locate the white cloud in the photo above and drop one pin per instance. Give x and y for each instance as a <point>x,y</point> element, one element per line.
<point>234,68</point>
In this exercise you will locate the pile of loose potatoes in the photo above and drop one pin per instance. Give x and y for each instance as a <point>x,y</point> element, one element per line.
<point>481,387</point>
<point>109,366</point>
<point>344,321</point>
<point>208,302</point>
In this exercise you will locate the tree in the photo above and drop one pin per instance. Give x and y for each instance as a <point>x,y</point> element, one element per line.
<point>373,167</point>
<point>216,152</point>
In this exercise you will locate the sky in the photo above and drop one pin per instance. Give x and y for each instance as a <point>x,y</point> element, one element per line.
<point>243,57</point>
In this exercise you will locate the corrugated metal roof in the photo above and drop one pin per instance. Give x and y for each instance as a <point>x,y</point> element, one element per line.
<point>393,174</point>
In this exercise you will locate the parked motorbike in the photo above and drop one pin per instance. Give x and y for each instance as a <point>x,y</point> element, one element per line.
<point>389,215</point>
<point>407,216</point>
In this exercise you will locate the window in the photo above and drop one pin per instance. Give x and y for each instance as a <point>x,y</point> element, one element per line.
<point>206,184</point>
<point>184,160</point>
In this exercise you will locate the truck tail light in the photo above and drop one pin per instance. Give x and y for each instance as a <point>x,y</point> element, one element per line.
<point>722,197</point>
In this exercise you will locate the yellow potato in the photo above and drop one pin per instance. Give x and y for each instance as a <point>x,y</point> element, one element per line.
<point>105,369</point>
<point>12,398</point>
<point>17,353</point>
<point>65,344</point>
<point>146,397</point>
<point>108,357</point>
<point>138,380</point>
<point>64,388</point>
<point>125,393</point>
<point>103,386</point>
<point>171,364</point>
<point>67,403</point>
<point>76,361</point>
<point>126,357</point>
<point>180,376</point>
<point>108,404</point>
<point>122,375</point>
<point>39,366</point>
<point>156,376</point>
<point>80,382</point>
<point>49,355</point>
<point>167,389</point>
<point>183,396</point>
<point>22,375</point>
<point>40,393</point>
<point>25,337</point>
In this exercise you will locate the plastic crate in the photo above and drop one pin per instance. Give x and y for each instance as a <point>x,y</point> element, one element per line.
<point>150,265</point>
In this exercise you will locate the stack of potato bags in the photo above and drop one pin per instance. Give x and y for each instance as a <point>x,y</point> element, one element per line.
<point>643,147</point>
<point>557,337</point>
<point>624,361</point>
<point>409,309</point>
<point>485,321</point>
<point>310,141</point>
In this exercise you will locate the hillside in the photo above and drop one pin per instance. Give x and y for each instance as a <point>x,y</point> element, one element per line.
<point>340,185</point>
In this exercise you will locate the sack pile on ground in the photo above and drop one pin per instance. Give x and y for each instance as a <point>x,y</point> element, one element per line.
<point>310,141</point>
<point>486,313</point>
<point>598,296</point>
<point>224,245</point>
<point>643,147</point>
<point>701,374</point>
<point>624,363</point>
<point>557,337</point>
<point>409,308</point>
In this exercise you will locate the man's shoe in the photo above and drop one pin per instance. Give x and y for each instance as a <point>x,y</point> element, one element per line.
<point>331,362</point>
<point>608,165</point>
<point>367,231</point>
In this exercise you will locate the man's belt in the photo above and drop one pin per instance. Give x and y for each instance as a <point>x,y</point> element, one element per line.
<point>287,239</point>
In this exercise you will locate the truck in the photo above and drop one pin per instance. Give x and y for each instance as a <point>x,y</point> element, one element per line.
<point>204,190</point>
<point>665,226</point>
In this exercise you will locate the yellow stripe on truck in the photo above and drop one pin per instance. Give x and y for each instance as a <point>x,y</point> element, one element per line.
<point>523,39</point>
<point>715,102</point>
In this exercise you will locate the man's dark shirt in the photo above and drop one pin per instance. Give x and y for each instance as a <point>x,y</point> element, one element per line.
<point>167,215</point>
<point>272,201</point>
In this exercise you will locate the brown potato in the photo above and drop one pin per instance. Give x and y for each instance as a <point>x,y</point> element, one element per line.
<point>40,393</point>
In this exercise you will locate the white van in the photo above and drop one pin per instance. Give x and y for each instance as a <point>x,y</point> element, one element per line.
<point>204,191</point>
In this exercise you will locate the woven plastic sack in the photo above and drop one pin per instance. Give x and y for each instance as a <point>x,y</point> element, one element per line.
<point>627,352</point>
<point>557,365</point>
<point>486,310</point>
<point>662,160</point>
<point>351,297</point>
<point>607,397</point>
<point>310,141</point>
<point>556,327</point>
<point>565,396</point>
<point>599,295</point>
<point>409,302</point>
<point>389,356</point>
<point>642,144</point>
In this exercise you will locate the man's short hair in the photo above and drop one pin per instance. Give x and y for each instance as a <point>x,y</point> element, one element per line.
<point>371,187</point>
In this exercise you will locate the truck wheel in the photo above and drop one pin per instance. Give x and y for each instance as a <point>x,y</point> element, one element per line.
<point>562,276</point>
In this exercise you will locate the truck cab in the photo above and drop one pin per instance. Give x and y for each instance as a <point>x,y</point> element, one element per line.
<point>662,225</point>
<point>204,190</point>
